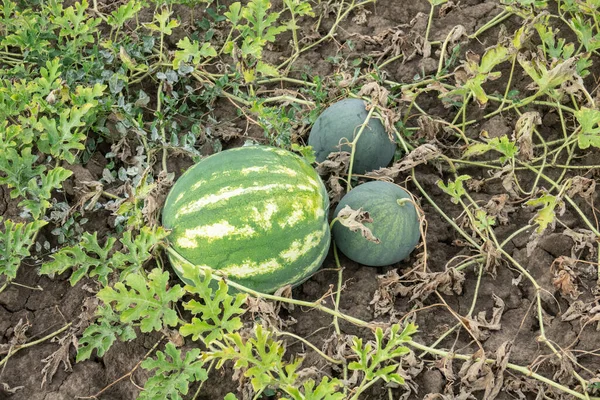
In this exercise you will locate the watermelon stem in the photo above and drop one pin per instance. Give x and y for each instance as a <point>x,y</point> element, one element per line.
<point>353,144</point>
<point>216,274</point>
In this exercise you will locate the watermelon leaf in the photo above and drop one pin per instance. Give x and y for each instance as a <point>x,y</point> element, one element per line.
<point>173,374</point>
<point>102,334</point>
<point>218,312</point>
<point>373,355</point>
<point>15,240</point>
<point>145,301</point>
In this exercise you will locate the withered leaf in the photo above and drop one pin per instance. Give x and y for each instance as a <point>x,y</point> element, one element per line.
<point>336,163</point>
<point>377,93</point>
<point>584,187</point>
<point>355,220</point>
<point>523,133</point>
<point>420,155</point>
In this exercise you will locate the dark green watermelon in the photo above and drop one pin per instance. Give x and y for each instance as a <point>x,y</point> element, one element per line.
<point>342,120</point>
<point>395,225</point>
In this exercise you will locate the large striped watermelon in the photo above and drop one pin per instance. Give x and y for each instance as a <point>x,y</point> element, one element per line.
<point>257,214</point>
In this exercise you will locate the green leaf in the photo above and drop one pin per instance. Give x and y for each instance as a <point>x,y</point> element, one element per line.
<point>101,335</point>
<point>234,13</point>
<point>305,151</point>
<point>15,241</point>
<point>124,13</point>
<point>165,25</point>
<point>78,258</point>
<point>455,189</point>
<point>148,302</point>
<point>589,120</point>
<point>373,356</point>
<point>326,390</point>
<point>502,145</point>
<point>192,50</point>
<point>173,375</point>
<point>265,69</point>
<point>60,140</point>
<point>39,190</point>
<point>546,216</point>
<point>218,312</point>
<point>139,249</point>
<point>261,356</point>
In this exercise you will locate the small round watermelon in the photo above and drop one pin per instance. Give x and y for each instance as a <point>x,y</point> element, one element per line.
<point>395,224</point>
<point>257,214</point>
<point>340,123</point>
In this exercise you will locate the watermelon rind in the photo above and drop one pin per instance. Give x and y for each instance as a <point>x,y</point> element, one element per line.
<point>395,225</point>
<point>339,124</point>
<point>256,214</point>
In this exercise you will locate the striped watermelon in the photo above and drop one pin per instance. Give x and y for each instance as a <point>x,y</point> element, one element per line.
<point>257,214</point>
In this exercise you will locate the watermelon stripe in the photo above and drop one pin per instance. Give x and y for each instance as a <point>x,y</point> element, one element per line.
<point>258,214</point>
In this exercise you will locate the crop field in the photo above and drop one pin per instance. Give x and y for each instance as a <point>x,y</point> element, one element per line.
<point>445,245</point>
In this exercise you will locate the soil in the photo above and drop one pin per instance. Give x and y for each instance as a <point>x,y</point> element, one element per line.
<point>45,304</point>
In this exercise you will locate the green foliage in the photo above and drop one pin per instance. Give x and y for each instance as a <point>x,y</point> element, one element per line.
<point>163,23</point>
<point>327,389</point>
<point>192,51</point>
<point>15,240</point>
<point>502,144</point>
<point>217,312</point>
<point>124,13</point>
<point>144,301</point>
<point>101,335</point>
<point>373,356</point>
<point>455,189</point>
<point>546,216</point>
<point>89,258</point>
<point>173,374</point>
<point>589,121</point>
<point>256,26</point>
<point>260,356</point>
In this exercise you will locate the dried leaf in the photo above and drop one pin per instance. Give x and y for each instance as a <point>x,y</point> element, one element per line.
<point>360,16</point>
<point>420,284</point>
<point>336,164</point>
<point>378,94</point>
<point>502,358</point>
<point>60,356</point>
<point>499,208</point>
<point>523,133</point>
<point>584,187</point>
<point>420,155</point>
<point>354,220</point>
<point>336,190</point>
<point>576,310</point>
<point>564,281</point>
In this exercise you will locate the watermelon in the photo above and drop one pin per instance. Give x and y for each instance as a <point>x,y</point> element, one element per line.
<point>257,214</point>
<point>395,224</point>
<point>340,123</point>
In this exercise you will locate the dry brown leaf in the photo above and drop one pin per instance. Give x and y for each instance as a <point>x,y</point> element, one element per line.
<point>360,16</point>
<point>576,310</point>
<point>583,238</point>
<point>378,94</point>
<point>584,187</point>
<point>523,133</point>
<point>502,358</point>
<point>336,190</point>
<point>565,282</point>
<point>60,356</point>
<point>336,163</point>
<point>420,284</point>
<point>355,220</point>
<point>420,155</point>
<point>428,128</point>
<point>499,208</point>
